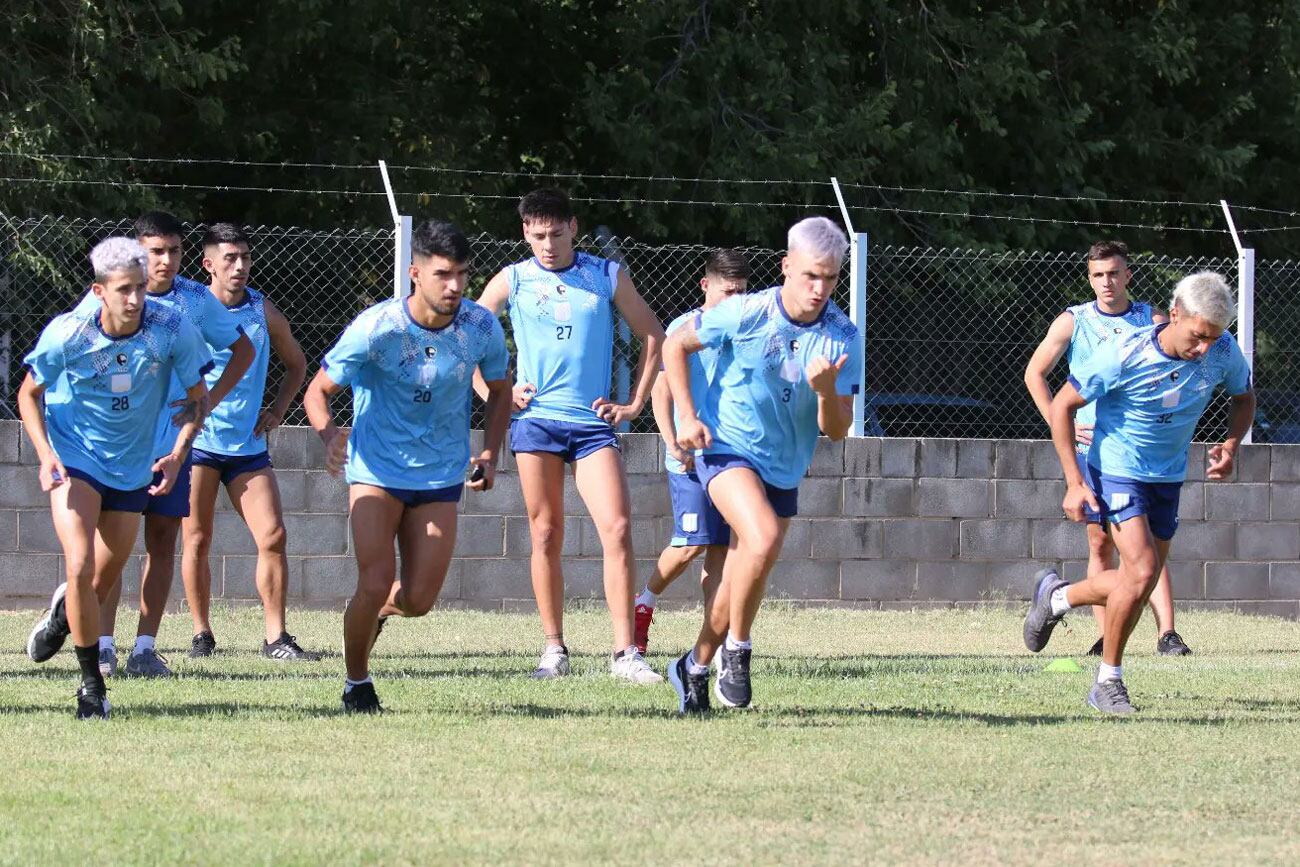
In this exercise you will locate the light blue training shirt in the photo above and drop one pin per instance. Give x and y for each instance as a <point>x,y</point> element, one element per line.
<point>1148,403</point>
<point>411,389</point>
<point>115,389</point>
<point>759,405</point>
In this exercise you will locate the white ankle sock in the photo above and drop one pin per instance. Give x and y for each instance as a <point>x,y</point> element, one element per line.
<point>348,683</point>
<point>143,643</point>
<point>1060,604</point>
<point>693,667</point>
<point>733,644</point>
<point>1109,672</point>
<point>106,643</point>
<point>647,598</point>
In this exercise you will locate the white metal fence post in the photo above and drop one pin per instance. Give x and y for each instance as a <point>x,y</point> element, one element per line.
<point>1245,299</point>
<point>1246,313</point>
<point>857,306</point>
<point>401,240</point>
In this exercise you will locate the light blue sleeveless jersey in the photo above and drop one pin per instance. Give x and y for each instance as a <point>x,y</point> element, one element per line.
<point>1094,329</point>
<point>563,324</point>
<point>229,428</point>
<point>759,405</point>
<point>411,390</point>
<point>1148,403</point>
<point>196,303</point>
<point>114,389</point>
<point>703,367</point>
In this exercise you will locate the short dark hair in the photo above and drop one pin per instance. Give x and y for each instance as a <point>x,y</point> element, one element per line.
<point>224,233</point>
<point>546,204</point>
<point>158,224</point>
<point>440,238</point>
<point>1108,249</point>
<point>727,264</point>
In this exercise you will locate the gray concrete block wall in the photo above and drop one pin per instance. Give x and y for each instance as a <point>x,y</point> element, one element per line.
<point>884,523</point>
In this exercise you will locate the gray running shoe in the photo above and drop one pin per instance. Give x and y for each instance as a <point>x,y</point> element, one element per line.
<point>107,662</point>
<point>1110,697</point>
<point>554,663</point>
<point>1040,621</point>
<point>147,663</point>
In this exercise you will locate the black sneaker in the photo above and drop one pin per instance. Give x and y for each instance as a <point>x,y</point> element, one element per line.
<point>91,704</point>
<point>51,630</point>
<point>361,699</point>
<point>732,686</point>
<point>1095,650</point>
<point>1172,644</point>
<point>203,644</point>
<point>286,647</point>
<point>692,689</point>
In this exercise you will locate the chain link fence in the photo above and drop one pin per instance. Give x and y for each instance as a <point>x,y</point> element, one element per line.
<point>949,331</point>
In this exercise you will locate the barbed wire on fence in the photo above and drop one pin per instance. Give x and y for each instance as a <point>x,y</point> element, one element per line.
<point>948,331</point>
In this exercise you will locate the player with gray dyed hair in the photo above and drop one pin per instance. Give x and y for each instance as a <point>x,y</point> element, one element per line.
<point>1207,295</point>
<point>115,255</point>
<point>819,237</point>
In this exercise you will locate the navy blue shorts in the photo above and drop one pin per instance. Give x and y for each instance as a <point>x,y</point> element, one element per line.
<point>413,497</point>
<point>570,440</point>
<point>696,521</point>
<point>784,501</point>
<point>176,503</point>
<point>113,499</point>
<point>1089,516</point>
<point>1122,499</point>
<point>231,467</point>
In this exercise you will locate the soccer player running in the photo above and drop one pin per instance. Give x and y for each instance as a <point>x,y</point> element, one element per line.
<point>1077,333</point>
<point>789,362</point>
<point>410,364</point>
<point>1151,389</point>
<point>160,234</point>
<point>561,305</point>
<point>231,451</point>
<point>96,445</point>
<point>698,527</point>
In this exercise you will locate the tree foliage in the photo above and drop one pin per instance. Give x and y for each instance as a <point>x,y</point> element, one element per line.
<point>1179,99</point>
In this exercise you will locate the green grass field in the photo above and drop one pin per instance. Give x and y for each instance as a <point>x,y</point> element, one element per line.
<point>884,737</point>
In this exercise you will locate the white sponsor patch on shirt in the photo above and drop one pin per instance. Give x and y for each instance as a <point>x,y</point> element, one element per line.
<point>120,383</point>
<point>690,522</point>
<point>1171,398</point>
<point>790,370</point>
<point>563,311</point>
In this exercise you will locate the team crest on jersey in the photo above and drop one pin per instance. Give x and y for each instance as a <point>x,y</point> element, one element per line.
<point>1116,330</point>
<point>430,351</point>
<point>1173,377</point>
<point>560,289</point>
<point>794,345</point>
<point>121,358</point>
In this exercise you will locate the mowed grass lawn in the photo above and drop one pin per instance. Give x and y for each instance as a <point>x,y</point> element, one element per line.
<point>919,737</point>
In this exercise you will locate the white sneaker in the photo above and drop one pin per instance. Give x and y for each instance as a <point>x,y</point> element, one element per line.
<point>554,663</point>
<point>633,668</point>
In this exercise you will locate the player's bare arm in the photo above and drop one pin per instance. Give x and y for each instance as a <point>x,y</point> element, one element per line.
<point>316,403</point>
<point>32,412</point>
<point>496,420</point>
<point>1045,358</point>
<point>834,411</point>
<point>646,326</point>
<point>692,433</point>
<point>1240,417</point>
<point>286,348</point>
<point>1061,418</point>
<point>241,358</point>
<point>170,464</point>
